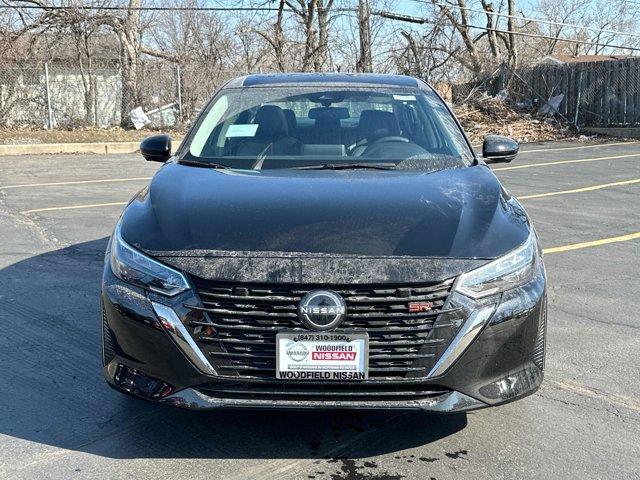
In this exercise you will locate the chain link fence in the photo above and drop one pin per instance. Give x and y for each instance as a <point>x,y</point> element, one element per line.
<point>23,99</point>
<point>62,96</point>
<point>585,94</point>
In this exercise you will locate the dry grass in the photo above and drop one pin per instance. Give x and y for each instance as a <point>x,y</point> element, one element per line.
<point>31,135</point>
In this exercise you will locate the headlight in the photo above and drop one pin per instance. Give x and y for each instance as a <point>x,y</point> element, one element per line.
<point>130,265</point>
<point>516,268</point>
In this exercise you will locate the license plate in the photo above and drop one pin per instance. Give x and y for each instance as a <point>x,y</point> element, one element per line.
<point>322,356</point>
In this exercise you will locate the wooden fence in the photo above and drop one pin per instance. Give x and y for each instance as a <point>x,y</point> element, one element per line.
<point>604,93</point>
<point>594,94</point>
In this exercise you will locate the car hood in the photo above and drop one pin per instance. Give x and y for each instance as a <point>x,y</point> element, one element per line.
<point>450,214</point>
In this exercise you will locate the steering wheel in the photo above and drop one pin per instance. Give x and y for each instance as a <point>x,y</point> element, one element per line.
<point>359,148</point>
<point>390,138</point>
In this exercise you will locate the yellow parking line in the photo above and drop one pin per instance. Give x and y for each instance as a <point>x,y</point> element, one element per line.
<point>577,148</point>
<point>74,207</point>
<point>578,190</point>
<point>583,390</point>
<point>77,182</point>
<point>594,243</point>
<point>580,160</point>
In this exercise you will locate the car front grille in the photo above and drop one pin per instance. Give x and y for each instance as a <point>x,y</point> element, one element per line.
<point>236,325</point>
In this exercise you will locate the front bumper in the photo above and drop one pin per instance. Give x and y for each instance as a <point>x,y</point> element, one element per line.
<point>446,403</point>
<point>500,361</point>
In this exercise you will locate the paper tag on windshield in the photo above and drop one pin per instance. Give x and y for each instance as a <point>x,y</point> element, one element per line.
<point>242,130</point>
<point>405,98</point>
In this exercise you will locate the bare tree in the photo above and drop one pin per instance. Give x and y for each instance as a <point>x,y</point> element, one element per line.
<point>83,33</point>
<point>423,56</point>
<point>477,56</point>
<point>492,35</point>
<point>206,49</point>
<point>321,58</point>
<point>459,20</point>
<point>585,20</point>
<point>253,55</point>
<point>306,12</point>
<point>563,11</point>
<point>275,37</point>
<point>129,32</point>
<point>310,29</point>
<point>364,63</point>
<point>126,26</point>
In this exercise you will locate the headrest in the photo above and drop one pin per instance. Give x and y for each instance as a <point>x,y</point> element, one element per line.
<point>272,123</point>
<point>326,113</point>
<point>292,122</point>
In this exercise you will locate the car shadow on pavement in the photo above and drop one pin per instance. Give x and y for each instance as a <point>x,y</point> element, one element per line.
<point>54,394</point>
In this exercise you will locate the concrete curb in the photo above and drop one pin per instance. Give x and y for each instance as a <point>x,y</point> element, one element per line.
<point>95,147</point>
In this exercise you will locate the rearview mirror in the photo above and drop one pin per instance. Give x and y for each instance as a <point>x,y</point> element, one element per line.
<point>498,149</point>
<point>156,148</point>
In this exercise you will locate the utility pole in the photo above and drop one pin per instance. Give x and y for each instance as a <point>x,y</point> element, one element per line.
<point>48,93</point>
<point>364,63</point>
<point>511,25</point>
<point>179,85</point>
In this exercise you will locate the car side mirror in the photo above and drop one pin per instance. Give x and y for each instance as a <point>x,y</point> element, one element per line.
<point>156,148</point>
<point>498,149</point>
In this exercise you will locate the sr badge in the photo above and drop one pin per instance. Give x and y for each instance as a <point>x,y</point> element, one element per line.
<point>322,310</point>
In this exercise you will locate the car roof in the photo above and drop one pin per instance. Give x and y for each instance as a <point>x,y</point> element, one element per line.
<point>324,79</point>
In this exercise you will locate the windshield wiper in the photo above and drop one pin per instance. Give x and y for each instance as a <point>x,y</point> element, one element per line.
<point>257,165</point>
<point>196,163</point>
<point>348,166</point>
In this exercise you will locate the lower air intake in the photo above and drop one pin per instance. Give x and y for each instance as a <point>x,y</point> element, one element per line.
<point>108,342</point>
<point>539,349</point>
<point>339,392</point>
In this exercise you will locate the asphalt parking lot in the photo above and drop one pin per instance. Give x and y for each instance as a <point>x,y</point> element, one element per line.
<point>60,420</point>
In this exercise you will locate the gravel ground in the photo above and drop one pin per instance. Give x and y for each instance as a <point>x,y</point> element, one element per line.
<point>60,420</point>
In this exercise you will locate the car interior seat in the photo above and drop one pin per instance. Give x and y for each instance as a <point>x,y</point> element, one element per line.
<point>272,135</point>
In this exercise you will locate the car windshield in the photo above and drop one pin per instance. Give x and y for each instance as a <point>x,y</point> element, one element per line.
<point>327,127</point>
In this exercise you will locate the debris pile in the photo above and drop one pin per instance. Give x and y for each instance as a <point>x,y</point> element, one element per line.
<point>483,115</point>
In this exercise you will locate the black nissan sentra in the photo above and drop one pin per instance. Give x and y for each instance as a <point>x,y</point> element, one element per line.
<point>325,241</point>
